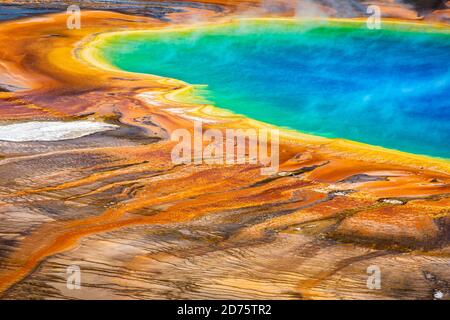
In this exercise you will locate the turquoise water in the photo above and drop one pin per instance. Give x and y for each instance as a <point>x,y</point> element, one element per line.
<point>387,87</point>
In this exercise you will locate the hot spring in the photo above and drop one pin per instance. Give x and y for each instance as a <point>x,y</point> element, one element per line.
<point>387,87</point>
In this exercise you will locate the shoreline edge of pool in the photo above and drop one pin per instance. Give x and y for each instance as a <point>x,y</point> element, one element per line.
<point>309,233</point>
<point>91,52</point>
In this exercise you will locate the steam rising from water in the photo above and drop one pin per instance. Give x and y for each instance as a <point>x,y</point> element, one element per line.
<point>387,87</point>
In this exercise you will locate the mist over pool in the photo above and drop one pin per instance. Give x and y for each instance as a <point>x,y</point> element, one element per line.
<point>383,87</point>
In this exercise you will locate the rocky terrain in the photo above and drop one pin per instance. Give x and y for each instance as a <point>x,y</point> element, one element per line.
<point>139,227</point>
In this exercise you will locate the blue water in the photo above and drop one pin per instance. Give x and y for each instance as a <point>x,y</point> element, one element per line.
<point>388,87</point>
